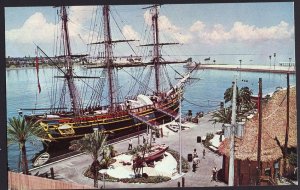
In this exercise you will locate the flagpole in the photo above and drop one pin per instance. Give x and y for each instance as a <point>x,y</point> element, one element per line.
<point>232,129</point>
<point>180,147</point>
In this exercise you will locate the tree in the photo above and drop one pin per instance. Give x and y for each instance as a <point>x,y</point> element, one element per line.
<point>222,116</point>
<point>138,161</point>
<point>93,144</point>
<point>21,131</point>
<point>243,97</point>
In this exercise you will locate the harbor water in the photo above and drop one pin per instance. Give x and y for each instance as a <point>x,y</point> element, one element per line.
<point>202,94</point>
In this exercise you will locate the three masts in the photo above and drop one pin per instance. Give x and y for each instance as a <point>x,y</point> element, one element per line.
<point>119,117</point>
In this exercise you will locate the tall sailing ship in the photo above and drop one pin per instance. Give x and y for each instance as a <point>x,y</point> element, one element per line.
<point>119,117</point>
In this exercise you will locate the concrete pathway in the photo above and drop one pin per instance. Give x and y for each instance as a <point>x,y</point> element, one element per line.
<point>71,169</point>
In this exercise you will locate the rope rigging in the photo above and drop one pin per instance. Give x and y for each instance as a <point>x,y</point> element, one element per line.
<point>208,106</point>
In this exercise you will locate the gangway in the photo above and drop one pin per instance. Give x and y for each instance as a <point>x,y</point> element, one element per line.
<point>171,113</point>
<point>152,124</point>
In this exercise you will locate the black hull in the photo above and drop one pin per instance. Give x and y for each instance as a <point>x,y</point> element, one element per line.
<point>121,128</point>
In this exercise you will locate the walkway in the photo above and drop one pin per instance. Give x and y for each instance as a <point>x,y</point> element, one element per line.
<point>71,169</point>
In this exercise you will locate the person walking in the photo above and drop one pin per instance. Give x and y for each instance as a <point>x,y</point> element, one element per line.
<point>195,153</point>
<point>196,161</point>
<point>203,152</point>
<point>130,145</point>
<point>214,174</point>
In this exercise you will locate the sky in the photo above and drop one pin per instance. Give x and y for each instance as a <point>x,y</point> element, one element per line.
<point>227,33</point>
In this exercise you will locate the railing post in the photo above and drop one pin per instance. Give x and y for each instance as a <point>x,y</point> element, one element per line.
<point>52,173</point>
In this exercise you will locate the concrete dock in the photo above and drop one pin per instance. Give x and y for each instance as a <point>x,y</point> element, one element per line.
<point>72,169</point>
<point>251,68</point>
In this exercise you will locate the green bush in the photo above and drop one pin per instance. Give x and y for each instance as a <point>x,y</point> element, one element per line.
<point>209,136</point>
<point>185,163</point>
<point>149,179</point>
<point>292,158</point>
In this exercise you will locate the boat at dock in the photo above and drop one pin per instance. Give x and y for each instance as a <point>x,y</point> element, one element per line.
<point>41,159</point>
<point>72,114</point>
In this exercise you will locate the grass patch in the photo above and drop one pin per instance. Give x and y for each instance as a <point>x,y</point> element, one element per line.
<point>149,179</point>
<point>185,163</point>
<point>89,174</point>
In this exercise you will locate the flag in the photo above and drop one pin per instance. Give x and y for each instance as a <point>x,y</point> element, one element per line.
<point>37,70</point>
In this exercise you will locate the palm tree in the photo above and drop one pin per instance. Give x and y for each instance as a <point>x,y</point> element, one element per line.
<point>20,131</point>
<point>243,97</point>
<point>93,144</point>
<point>222,116</point>
<point>229,93</point>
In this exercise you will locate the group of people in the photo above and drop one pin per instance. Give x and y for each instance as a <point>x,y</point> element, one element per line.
<point>145,140</point>
<point>196,161</point>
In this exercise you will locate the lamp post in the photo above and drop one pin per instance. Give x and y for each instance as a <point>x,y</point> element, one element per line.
<point>180,147</point>
<point>274,59</point>
<point>270,57</point>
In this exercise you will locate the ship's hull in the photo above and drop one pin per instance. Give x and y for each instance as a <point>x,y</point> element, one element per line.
<point>116,125</point>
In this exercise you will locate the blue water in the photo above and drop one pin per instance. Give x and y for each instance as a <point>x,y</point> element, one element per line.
<point>201,95</point>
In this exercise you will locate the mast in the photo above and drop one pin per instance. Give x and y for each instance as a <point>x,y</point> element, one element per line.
<point>74,96</point>
<point>156,48</point>
<point>109,57</point>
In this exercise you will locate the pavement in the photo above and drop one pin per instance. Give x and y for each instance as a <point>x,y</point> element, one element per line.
<point>71,169</point>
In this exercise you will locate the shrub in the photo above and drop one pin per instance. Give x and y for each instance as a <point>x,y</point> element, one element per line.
<point>292,158</point>
<point>149,179</point>
<point>185,163</point>
<point>209,136</point>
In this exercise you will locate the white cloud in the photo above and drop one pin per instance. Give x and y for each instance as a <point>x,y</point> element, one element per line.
<point>166,25</point>
<point>41,31</point>
<point>148,18</point>
<point>168,28</point>
<point>197,26</point>
<point>81,14</point>
<point>34,29</point>
<point>130,33</point>
<point>241,32</point>
<point>217,34</point>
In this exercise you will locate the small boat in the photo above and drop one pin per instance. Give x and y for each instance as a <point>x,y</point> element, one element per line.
<point>155,152</point>
<point>172,128</point>
<point>175,127</point>
<point>41,159</point>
